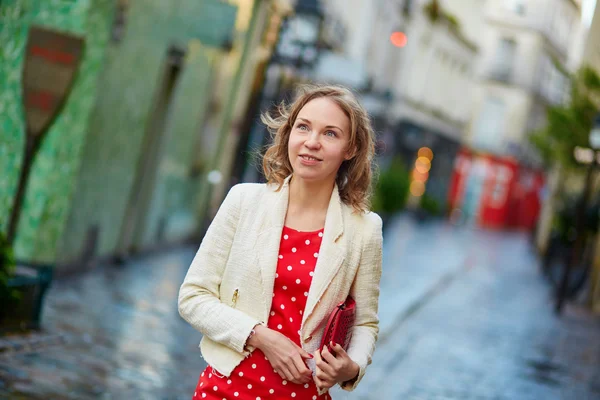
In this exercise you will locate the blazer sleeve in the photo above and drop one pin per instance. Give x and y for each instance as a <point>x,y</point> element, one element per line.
<point>365,291</point>
<point>199,302</point>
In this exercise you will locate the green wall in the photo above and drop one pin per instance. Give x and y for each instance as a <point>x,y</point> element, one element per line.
<point>119,124</point>
<point>47,200</point>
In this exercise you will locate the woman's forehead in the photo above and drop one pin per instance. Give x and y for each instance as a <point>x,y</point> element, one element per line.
<point>324,111</point>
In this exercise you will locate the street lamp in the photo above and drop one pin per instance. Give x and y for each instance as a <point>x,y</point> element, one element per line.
<point>590,157</point>
<point>300,34</point>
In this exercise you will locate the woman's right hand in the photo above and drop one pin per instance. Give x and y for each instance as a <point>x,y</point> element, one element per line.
<point>285,356</point>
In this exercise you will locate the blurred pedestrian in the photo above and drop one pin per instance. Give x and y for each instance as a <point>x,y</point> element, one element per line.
<point>278,258</point>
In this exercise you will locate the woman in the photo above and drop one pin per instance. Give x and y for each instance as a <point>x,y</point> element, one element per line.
<point>278,257</point>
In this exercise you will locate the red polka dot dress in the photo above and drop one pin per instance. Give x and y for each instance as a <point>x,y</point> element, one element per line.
<point>254,378</point>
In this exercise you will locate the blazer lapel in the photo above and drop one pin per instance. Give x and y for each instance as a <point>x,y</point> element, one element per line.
<point>273,211</point>
<point>331,254</point>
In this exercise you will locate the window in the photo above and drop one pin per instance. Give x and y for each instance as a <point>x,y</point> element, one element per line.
<point>489,128</point>
<point>503,63</point>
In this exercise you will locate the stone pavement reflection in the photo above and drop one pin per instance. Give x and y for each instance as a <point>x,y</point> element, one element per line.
<point>482,329</point>
<point>120,337</point>
<point>464,314</point>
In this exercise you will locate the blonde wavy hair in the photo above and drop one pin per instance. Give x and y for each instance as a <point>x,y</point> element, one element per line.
<point>354,176</point>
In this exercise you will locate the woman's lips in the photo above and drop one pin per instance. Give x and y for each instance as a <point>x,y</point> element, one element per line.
<point>308,160</point>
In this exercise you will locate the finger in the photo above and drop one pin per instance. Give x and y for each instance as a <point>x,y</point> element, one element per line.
<point>338,350</point>
<point>292,365</point>
<point>287,374</point>
<point>303,370</point>
<point>325,367</point>
<point>328,357</point>
<point>304,353</point>
<point>322,383</point>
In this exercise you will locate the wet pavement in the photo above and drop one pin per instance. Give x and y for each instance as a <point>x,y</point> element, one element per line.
<point>465,314</point>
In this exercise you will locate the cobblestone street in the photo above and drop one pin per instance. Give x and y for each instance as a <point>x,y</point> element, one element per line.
<point>465,314</point>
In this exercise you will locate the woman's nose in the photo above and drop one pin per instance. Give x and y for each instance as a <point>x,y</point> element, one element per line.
<point>313,140</point>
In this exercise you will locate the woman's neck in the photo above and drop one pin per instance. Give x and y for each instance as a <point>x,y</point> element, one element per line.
<point>309,196</point>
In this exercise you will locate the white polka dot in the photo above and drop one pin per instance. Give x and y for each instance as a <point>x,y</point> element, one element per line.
<point>229,381</point>
<point>241,374</point>
<point>307,242</point>
<point>210,375</point>
<point>236,394</point>
<point>262,378</point>
<point>316,255</point>
<point>315,397</point>
<point>258,398</point>
<point>203,394</point>
<point>266,359</point>
<point>279,326</point>
<point>293,299</point>
<point>280,256</point>
<point>300,312</point>
<point>298,281</point>
<point>273,294</point>
<point>289,267</point>
<point>282,307</point>
<point>305,294</point>
<point>253,366</point>
<point>284,382</point>
<point>320,234</point>
<point>285,237</point>
<point>203,374</point>
<point>276,275</point>
<point>311,273</point>
<point>249,386</point>
<point>302,262</point>
<point>272,313</point>
<point>195,393</point>
<point>271,391</point>
<point>293,249</point>
<point>215,388</point>
<point>298,332</point>
<point>202,384</point>
<point>291,319</point>
<point>306,385</point>
<point>284,288</point>
<point>293,394</point>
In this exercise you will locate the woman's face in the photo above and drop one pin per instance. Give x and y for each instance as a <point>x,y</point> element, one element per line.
<point>319,139</point>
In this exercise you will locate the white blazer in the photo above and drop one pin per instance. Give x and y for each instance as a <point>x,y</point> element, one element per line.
<point>229,285</point>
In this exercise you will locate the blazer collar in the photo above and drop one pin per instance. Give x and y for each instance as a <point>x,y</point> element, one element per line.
<point>334,221</point>
<point>331,254</point>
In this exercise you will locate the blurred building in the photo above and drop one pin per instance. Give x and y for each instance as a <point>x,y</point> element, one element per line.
<point>591,48</point>
<point>124,167</point>
<point>527,49</point>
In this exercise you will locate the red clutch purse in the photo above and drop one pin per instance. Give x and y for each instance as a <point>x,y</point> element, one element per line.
<point>340,323</point>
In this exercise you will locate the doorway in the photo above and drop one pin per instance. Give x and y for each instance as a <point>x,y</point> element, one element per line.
<point>153,145</point>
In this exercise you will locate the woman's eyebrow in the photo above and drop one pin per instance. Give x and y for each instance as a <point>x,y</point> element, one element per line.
<point>328,126</point>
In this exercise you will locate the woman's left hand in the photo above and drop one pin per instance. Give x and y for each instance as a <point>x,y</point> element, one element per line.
<point>332,369</point>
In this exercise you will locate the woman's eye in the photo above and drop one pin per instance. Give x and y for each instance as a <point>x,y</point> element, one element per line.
<point>331,133</point>
<point>302,127</point>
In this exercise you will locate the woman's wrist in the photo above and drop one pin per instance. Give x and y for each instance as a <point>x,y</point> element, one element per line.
<point>254,339</point>
<point>354,371</point>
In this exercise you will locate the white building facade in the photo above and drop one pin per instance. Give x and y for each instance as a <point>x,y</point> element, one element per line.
<point>526,46</point>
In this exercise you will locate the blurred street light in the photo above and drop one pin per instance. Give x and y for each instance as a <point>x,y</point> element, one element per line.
<point>398,39</point>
